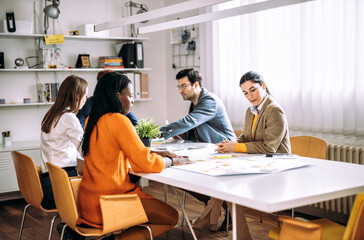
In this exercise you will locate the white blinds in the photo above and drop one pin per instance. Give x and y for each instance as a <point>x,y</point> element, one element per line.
<point>311,56</point>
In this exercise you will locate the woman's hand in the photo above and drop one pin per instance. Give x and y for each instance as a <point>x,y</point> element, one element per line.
<point>181,161</point>
<point>165,154</point>
<point>225,147</point>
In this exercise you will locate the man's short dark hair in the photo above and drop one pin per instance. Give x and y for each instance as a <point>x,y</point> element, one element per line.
<point>192,74</point>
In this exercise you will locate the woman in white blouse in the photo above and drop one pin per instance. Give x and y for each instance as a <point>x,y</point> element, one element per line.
<point>62,133</point>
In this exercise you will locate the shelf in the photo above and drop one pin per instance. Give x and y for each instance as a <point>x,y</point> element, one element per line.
<point>26,104</point>
<point>12,35</point>
<point>76,70</point>
<point>17,146</point>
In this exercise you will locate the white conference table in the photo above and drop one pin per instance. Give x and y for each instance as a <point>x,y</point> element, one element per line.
<point>320,181</point>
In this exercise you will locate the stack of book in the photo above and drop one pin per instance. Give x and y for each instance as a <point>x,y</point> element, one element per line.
<point>111,62</point>
<point>47,92</point>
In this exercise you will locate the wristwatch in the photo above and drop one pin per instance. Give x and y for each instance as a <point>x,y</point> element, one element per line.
<point>171,159</point>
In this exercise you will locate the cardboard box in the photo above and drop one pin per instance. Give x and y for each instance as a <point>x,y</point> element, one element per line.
<point>25,27</point>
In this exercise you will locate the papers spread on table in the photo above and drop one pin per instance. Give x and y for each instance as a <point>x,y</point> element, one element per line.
<point>225,164</point>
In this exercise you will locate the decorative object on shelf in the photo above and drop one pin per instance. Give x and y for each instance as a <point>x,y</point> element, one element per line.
<point>74,33</point>
<point>19,62</point>
<point>10,22</point>
<point>142,9</point>
<point>2,100</point>
<point>147,129</point>
<point>83,61</point>
<point>26,100</point>
<point>51,11</point>
<point>34,64</point>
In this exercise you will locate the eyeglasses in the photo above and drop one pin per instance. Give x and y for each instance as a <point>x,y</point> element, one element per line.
<point>183,86</point>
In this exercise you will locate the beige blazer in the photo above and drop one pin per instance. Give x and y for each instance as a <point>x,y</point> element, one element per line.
<point>270,131</point>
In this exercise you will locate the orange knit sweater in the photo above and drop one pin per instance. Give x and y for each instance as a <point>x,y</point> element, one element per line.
<point>107,165</point>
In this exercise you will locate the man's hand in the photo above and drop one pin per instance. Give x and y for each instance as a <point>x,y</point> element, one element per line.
<point>225,146</point>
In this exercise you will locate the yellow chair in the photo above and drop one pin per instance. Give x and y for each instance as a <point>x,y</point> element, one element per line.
<point>30,187</point>
<point>118,211</point>
<point>323,228</point>
<point>308,146</point>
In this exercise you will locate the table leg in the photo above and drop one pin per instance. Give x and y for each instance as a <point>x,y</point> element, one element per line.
<point>184,214</point>
<point>233,214</point>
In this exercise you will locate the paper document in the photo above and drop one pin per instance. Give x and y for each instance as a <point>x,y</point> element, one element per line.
<point>222,165</point>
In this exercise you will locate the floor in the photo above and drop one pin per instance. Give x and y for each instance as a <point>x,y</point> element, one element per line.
<point>37,222</point>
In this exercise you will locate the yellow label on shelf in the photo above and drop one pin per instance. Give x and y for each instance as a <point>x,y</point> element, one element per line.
<point>54,39</point>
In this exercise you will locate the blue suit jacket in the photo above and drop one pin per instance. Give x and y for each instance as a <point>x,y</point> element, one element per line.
<point>209,118</point>
<point>84,112</point>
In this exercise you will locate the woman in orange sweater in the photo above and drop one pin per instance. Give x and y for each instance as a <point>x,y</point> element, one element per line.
<point>110,146</point>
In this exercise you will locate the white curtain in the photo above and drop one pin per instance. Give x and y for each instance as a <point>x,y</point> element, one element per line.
<point>311,56</point>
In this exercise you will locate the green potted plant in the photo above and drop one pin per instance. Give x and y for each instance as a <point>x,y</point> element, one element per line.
<point>147,129</point>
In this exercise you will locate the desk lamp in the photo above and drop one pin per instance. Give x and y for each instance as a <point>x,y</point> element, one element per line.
<point>51,11</point>
<point>142,9</point>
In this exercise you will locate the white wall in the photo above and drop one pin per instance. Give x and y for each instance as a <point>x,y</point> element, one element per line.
<point>24,122</point>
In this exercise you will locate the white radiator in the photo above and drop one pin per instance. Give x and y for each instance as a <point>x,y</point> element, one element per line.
<point>343,153</point>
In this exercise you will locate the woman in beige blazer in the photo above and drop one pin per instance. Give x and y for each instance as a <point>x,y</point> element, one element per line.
<point>266,127</point>
<point>265,131</point>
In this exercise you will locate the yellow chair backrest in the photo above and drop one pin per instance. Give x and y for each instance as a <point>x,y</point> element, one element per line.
<point>63,195</point>
<point>27,175</point>
<point>354,229</point>
<point>308,146</point>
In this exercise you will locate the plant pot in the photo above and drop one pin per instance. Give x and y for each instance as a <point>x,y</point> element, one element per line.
<point>147,141</point>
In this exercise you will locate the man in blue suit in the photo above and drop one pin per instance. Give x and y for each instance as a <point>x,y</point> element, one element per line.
<point>207,120</point>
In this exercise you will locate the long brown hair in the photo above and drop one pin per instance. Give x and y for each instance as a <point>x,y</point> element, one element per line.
<point>72,89</point>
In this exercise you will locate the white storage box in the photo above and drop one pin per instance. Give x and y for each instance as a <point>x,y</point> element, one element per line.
<point>88,30</point>
<point>20,27</point>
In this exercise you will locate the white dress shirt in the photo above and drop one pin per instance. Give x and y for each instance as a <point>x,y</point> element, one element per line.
<point>61,145</point>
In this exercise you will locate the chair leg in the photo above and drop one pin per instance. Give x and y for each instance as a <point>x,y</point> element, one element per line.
<point>51,228</point>
<point>22,221</point>
<point>64,227</point>
<point>149,229</point>
<point>183,205</point>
